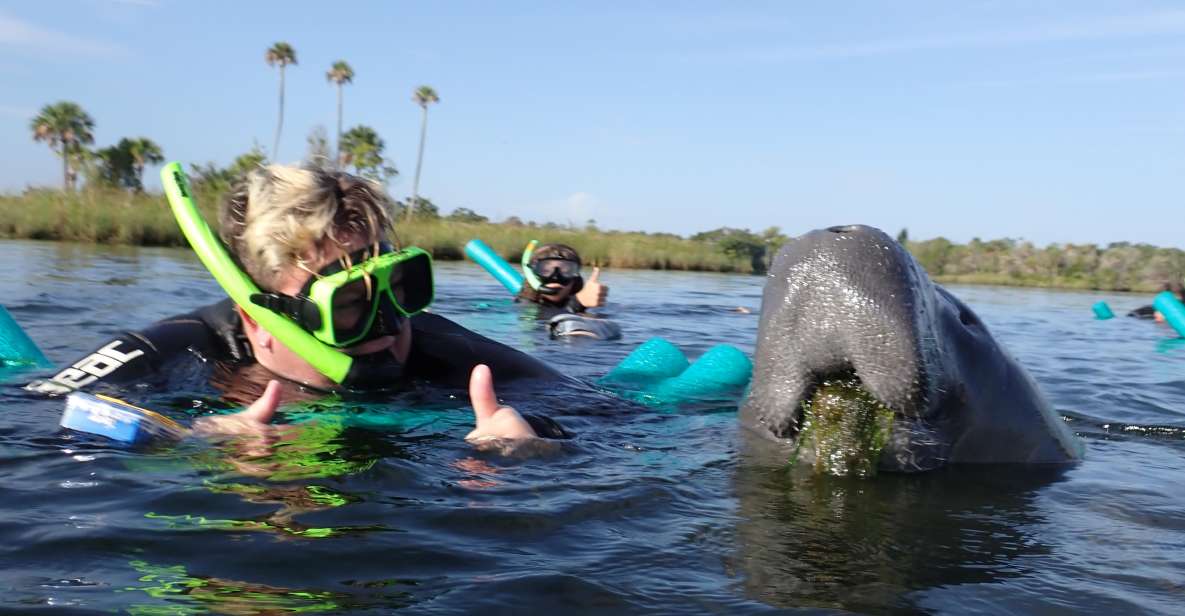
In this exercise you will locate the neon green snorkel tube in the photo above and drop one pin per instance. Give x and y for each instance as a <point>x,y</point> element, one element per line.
<point>328,361</point>
<point>529,274</point>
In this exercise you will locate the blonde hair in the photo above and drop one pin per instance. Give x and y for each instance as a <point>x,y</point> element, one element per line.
<point>280,214</point>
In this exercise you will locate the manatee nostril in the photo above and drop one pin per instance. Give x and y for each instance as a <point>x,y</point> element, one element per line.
<point>844,228</point>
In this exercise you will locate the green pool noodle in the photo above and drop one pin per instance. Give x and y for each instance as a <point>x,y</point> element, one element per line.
<point>1174,312</point>
<point>17,350</point>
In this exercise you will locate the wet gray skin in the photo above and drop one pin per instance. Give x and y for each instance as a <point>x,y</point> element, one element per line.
<point>850,300</point>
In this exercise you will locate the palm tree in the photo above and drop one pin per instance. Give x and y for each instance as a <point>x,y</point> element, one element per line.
<point>423,97</point>
<point>65,127</point>
<point>340,73</point>
<point>281,54</point>
<point>143,151</point>
<point>362,147</point>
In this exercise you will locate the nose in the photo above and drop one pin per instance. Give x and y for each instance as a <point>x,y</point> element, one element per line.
<point>388,321</point>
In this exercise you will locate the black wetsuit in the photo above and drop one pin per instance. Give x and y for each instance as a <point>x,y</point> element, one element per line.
<point>563,323</point>
<point>1143,312</point>
<point>442,353</point>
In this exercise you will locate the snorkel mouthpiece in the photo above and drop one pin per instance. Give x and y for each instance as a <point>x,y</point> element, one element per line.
<point>334,364</point>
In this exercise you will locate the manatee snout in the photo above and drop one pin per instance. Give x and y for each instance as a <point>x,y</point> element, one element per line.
<point>850,305</point>
<point>841,301</point>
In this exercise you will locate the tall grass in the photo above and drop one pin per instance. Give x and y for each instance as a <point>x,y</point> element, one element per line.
<point>117,217</point>
<point>446,240</point>
<point>96,216</point>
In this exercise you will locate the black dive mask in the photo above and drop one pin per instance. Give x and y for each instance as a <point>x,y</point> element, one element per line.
<point>558,271</point>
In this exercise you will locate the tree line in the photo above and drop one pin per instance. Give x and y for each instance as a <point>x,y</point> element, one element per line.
<point>1118,266</point>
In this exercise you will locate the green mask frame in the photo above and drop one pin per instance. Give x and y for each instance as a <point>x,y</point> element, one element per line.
<point>339,306</point>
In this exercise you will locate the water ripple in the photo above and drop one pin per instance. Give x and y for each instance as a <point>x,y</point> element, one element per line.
<point>372,509</point>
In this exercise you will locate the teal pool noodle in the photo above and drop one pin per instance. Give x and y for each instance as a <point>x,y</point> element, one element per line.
<point>657,373</point>
<point>1102,311</point>
<point>723,369</point>
<point>497,266</point>
<point>654,360</point>
<point>16,348</point>
<point>1174,312</point>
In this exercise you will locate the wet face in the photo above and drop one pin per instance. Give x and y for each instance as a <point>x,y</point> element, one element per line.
<point>562,292</point>
<point>559,276</point>
<point>278,358</point>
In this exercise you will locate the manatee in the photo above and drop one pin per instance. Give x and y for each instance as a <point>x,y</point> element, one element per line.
<point>848,304</point>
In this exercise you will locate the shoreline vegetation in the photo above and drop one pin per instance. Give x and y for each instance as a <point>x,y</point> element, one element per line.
<point>111,216</point>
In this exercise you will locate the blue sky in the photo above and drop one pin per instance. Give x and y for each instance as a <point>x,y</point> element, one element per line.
<point>1051,121</point>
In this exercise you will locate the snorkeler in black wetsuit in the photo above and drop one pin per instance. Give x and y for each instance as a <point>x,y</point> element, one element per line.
<point>320,299</point>
<point>563,295</point>
<point>1149,312</point>
<point>442,353</point>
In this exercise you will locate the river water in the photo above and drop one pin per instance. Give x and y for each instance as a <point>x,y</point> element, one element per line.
<point>646,511</point>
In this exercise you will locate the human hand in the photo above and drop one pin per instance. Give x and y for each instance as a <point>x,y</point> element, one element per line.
<point>254,420</point>
<point>493,422</point>
<point>594,293</point>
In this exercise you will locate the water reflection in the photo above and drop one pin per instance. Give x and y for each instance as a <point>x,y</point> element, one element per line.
<point>864,544</point>
<point>180,592</point>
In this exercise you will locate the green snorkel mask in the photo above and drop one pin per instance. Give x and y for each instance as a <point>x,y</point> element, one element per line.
<point>342,304</point>
<point>383,270</point>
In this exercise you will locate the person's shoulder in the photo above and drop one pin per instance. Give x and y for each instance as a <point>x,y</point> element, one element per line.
<point>445,350</point>
<point>432,323</point>
<point>211,332</point>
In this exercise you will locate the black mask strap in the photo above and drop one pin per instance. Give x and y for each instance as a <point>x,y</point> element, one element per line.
<point>300,309</point>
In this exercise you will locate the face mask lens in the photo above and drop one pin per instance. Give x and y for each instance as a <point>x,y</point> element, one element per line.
<point>352,308</point>
<point>556,269</point>
<point>411,283</point>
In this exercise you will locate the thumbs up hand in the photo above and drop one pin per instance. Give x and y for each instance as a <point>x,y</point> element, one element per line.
<point>594,293</point>
<point>255,419</point>
<point>493,421</point>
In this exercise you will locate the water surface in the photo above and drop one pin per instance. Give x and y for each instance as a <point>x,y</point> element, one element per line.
<point>374,507</point>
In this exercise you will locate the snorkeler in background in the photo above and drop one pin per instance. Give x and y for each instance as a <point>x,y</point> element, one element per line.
<point>1149,312</point>
<point>553,279</point>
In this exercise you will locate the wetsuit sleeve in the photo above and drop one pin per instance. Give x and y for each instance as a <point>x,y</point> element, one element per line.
<point>1143,312</point>
<point>444,353</point>
<point>135,355</point>
<point>547,427</point>
<point>574,305</point>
